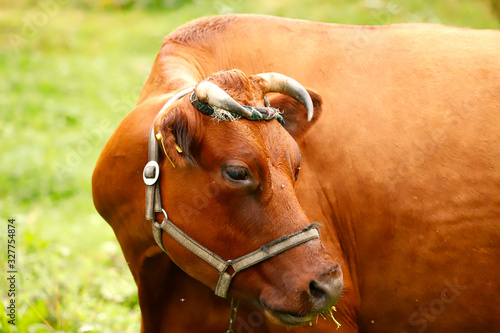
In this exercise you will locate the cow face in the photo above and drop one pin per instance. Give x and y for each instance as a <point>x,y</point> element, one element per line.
<point>232,190</point>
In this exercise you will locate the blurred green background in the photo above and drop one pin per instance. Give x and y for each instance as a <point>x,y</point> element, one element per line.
<point>70,70</point>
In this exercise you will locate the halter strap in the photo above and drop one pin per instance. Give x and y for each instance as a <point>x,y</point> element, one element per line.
<point>151,175</point>
<point>248,260</point>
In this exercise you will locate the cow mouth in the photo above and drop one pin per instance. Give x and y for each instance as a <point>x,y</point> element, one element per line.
<point>286,318</point>
<point>289,319</point>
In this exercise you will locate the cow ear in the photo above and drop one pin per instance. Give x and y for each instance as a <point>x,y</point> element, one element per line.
<point>295,114</point>
<point>180,135</point>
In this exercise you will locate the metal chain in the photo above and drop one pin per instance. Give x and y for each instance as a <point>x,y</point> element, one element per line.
<point>232,315</point>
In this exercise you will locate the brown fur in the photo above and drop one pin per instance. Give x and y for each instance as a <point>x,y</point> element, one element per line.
<point>196,33</point>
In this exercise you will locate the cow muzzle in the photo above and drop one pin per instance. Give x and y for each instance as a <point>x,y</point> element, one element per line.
<point>317,296</point>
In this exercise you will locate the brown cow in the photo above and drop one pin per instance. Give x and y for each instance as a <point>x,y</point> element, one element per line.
<point>400,167</point>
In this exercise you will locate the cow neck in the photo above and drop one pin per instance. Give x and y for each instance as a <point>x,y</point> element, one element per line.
<point>154,205</point>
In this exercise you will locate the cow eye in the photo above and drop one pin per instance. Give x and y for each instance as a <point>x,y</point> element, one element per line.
<point>236,173</point>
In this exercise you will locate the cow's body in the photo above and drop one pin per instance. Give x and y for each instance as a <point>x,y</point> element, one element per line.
<point>402,170</point>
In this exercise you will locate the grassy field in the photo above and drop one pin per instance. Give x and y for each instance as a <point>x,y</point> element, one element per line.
<point>70,71</point>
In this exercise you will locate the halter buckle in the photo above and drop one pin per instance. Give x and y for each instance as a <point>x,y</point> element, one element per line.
<point>151,173</point>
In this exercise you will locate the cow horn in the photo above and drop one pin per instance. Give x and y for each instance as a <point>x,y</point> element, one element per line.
<point>210,93</point>
<point>276,82</point>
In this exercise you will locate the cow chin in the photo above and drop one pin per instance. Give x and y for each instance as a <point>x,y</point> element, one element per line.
<point>287,319</point>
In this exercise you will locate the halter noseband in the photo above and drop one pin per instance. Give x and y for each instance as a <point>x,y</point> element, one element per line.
<point>151,175</point>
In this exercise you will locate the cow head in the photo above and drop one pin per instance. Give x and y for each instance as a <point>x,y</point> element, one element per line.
<point>229,183</point>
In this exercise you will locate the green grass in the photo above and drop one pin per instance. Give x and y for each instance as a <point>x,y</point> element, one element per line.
<point>68,76</point>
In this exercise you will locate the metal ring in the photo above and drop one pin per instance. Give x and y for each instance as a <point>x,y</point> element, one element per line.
<point>151,181</point>
<point>164,214</point>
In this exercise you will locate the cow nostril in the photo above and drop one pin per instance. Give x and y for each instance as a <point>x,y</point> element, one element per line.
<point>318,293</point>
<point>325,292</point>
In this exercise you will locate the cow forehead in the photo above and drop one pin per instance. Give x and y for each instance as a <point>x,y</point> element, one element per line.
<point>253,141</point>
<point>242,88</point>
